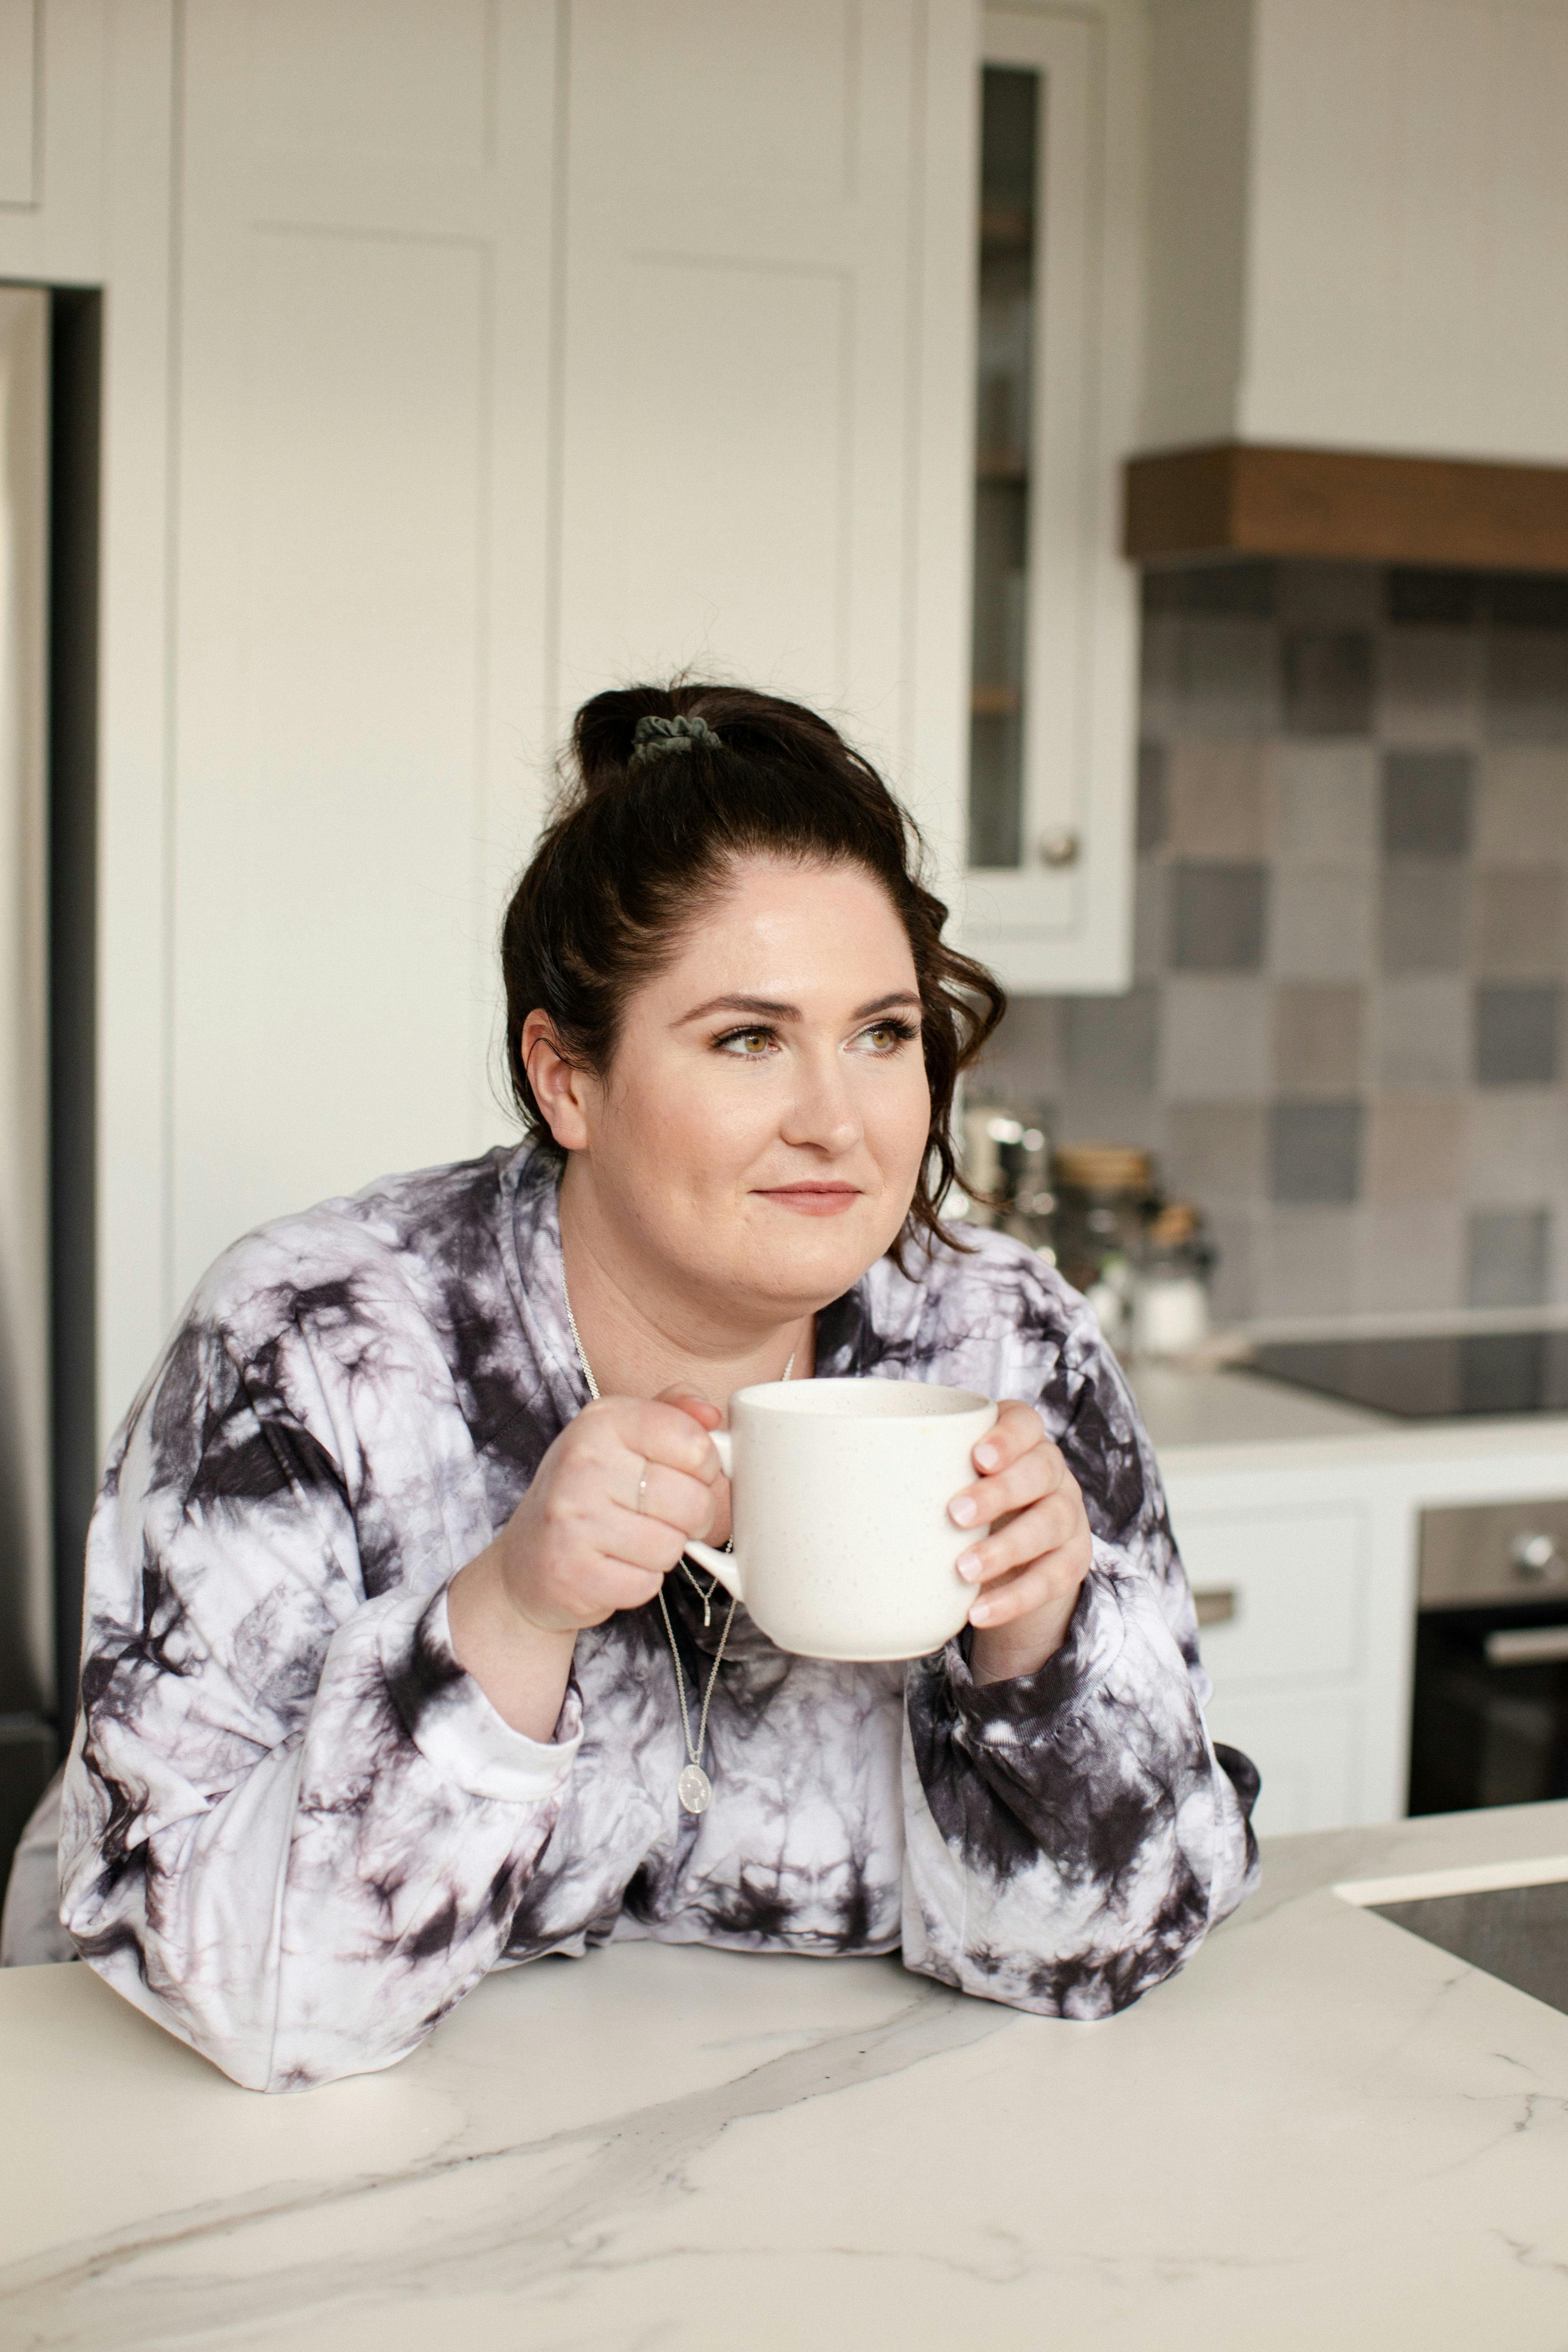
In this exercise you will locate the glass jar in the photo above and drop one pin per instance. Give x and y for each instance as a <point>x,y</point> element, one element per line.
<point>1170,1297</point>
<point>1104,1195</point>
<point>1007,1160</point>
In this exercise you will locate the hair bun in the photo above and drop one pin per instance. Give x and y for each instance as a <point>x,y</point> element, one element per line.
<point>653,738</point>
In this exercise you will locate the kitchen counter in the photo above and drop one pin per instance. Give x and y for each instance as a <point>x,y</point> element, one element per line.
<point>1326,2132</point>
<point>1202,1417</point>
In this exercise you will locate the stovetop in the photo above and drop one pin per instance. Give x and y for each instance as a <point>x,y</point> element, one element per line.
<point>1517,1933</point>
<point>1428,1376</point>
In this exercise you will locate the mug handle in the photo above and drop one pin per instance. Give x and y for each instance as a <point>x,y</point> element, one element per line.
<point>722,1564</point>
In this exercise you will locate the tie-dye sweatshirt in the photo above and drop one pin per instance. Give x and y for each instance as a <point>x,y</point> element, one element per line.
<point>297,1832</point>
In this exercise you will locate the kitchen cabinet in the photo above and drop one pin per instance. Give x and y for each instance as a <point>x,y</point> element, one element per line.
<point>1298,1521</point>
<point>1307,1745</point>
<point>1053,678</point>
<point>1284,1598</point>
<point>461,360</point>
<point>522,352</point>
<point>458,362</point>
<point>359,512</point>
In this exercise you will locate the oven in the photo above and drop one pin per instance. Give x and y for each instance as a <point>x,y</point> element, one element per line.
<point>1490,1715</point>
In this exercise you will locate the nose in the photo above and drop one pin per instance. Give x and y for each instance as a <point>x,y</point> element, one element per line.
<point>822,1114</point>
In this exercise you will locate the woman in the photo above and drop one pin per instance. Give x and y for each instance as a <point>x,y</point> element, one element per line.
<point>392,1663</point>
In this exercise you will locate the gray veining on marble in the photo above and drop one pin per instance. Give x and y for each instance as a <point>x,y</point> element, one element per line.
<point>1326,2132</point>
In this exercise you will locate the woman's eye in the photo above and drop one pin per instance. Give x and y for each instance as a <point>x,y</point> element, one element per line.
<point>887,1036</point>
<point>746,1045</point>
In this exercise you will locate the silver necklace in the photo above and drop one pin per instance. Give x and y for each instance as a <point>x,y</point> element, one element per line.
<point>694,1787</point>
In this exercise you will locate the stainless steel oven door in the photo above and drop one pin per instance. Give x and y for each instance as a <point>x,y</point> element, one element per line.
<point>1490,1715</point>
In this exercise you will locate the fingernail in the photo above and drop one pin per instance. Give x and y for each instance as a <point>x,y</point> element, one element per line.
<point>979,1613</point>
<point>963,1508</point>
<point>985,1456</point>
<point>968,1567</point>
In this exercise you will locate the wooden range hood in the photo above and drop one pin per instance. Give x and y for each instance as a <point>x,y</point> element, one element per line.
<point>1237,498</point>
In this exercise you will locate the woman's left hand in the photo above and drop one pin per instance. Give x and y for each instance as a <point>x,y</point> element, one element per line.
<point>1031,1566</point>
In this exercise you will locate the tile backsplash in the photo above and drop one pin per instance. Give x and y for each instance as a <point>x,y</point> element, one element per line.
<point>1346,1034</point>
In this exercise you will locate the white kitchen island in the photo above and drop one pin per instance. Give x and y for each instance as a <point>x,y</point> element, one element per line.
<point>1326,2133</point>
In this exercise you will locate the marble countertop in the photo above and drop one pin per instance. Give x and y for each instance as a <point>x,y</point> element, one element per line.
<point>1325,2132</point>
<point>1189,1405</point>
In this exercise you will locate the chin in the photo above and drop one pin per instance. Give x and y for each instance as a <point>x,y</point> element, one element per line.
<point>807,1268</point>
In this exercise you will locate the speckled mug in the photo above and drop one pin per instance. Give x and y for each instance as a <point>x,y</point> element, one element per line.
<point>843,1548</point>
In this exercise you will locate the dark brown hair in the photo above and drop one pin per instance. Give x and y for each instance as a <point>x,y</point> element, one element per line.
<point>647,828</point>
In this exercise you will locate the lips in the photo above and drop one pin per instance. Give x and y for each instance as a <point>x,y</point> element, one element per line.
<point>813,1199</point>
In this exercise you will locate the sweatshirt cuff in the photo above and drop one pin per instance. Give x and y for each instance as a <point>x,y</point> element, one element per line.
<point>453,1725</point>
<point>1029,1706</point>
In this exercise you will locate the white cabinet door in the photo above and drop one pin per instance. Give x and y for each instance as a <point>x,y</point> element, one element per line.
<point>762,421</point>
<point>523,350</point>
<point>1285,1596</point>
<point>364,368</point>
<point>1061,917</point>
<point>1302,1591</point>
<point>1307,1746</point>
<point>1279,1596</point>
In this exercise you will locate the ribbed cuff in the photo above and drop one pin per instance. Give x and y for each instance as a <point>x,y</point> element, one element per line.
<point>1010,1714</point>
<point>453,1725</point>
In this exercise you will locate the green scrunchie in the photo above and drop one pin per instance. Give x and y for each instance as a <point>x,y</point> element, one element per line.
<point>652,737</point>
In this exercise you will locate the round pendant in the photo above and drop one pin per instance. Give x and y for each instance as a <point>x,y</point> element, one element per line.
<point>695,1789</point>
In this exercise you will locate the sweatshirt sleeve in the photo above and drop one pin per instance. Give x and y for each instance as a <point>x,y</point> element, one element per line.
<point>1072,1836</point>
<point>295,1831</point>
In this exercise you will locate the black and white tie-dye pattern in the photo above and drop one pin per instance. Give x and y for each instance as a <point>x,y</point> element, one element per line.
<point>295,1833</point>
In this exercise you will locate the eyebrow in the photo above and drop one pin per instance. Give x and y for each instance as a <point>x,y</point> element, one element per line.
<point>768,1008</point>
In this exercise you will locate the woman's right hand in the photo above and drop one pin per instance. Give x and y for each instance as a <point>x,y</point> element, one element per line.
<point>580,1545</point>
<point>578,1549</point>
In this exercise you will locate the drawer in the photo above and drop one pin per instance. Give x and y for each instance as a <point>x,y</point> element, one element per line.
<point>1278,1594</point>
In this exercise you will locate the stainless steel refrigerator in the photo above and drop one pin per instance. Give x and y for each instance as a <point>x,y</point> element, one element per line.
<point>29,1678</point>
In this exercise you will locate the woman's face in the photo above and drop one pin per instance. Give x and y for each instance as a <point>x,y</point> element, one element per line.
<point>760,1132</point>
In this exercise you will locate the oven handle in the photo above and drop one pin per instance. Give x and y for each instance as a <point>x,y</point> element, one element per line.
<point>1528,1645</point>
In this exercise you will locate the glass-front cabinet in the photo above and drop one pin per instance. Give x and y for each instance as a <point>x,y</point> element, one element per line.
<point>1054,636</point>
<point>1010,143</point>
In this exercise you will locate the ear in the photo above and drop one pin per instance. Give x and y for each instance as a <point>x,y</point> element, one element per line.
<point>561,1089</point>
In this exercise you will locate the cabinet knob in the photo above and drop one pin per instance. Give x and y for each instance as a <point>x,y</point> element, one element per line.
<point>1537,1559</point>
<point>1060,849</point>
<point>1215,1604</point>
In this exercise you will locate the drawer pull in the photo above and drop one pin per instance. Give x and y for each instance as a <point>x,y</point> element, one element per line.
<point>1215,1603</point>
<point>1528,1645</point>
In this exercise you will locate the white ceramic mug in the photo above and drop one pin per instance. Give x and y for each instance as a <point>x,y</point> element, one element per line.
<point>843,1548</point>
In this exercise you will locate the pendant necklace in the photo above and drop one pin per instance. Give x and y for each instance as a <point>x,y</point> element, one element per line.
<point>694,1787</point>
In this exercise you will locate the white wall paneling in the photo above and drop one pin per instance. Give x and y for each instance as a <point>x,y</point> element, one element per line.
<point>1069,927</point>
